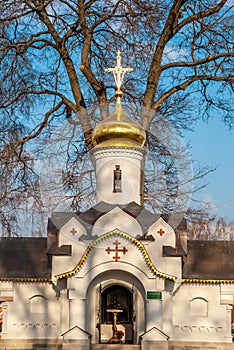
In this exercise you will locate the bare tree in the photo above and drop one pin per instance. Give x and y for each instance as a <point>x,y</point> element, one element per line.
<point>53,55</point>
<point>210,228</point>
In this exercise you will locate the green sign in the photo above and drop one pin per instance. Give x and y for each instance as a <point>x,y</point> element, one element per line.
<point>153,294</point>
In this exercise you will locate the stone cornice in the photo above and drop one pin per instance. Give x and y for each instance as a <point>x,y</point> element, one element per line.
<point>101,151</point>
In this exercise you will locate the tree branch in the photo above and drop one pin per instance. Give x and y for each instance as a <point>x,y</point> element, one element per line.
<point>197,62</point>
<point>85,67</point>
<point>199,15</point>
<point>185,84</point>
<point>155,67</point>
<point>37,131</point>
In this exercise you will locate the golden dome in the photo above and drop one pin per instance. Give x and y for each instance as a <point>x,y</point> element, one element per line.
<point>118,130</point>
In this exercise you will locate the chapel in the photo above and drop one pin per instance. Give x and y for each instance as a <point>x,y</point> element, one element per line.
<point>116,276</point>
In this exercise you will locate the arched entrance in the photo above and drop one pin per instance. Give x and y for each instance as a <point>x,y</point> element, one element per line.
<point>120,298</point>
<point>126,290</point>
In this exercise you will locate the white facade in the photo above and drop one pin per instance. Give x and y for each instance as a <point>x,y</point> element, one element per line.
<point>69,307</point>
<point>130,162</point>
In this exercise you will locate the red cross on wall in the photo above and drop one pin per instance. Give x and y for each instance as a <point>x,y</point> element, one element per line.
<point>73,231</point>
<point>161,232</point>
<point>116,250</point>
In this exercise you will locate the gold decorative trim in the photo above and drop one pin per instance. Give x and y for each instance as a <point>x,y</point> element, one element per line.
<point>117,232</point>
<point>25,279</point>
<point>198,280</point>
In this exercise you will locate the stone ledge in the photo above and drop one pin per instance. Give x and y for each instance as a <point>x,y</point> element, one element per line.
<point>30,344</point>
<point>185,345</point>
<point>55,344</point>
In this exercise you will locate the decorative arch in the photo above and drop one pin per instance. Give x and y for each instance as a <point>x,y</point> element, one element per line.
<point>117,233</point>
<point>163,232</point>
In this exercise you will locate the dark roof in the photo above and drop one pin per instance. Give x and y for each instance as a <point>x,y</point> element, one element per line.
<point>142,215</point>
<point>22,257</point>
<point>90,216</point>
<point>62,250</point>
<point>59,219</point>
<point>209,260</point>
<point>27,258</point>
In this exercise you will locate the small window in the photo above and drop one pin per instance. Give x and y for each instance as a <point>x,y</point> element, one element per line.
<point>117,179</point>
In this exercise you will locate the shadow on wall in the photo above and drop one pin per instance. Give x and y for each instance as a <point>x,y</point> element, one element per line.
<point>46,347</point>
<point>1,321</point>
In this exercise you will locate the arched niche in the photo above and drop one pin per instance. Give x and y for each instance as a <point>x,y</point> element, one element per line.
<point>38,304</point>
<point>199,307</point>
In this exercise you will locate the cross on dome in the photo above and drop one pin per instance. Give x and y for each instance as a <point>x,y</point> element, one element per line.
<point>118,130</point>
<point>119,71</point>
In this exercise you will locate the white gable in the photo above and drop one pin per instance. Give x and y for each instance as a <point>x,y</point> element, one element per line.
<point>75,333</point>
<point>117,218</point>
<point>154,334</point>
<point>72,230</point>
<point>163,233</point>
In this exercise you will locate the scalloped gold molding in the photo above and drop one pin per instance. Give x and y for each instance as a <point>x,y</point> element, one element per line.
<point>199,280</point>
<point>25,279</point>
<point>119,233</point>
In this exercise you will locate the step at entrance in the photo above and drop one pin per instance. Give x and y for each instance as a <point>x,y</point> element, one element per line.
<point>115,347</point>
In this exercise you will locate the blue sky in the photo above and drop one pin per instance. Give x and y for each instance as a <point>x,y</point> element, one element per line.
<point>213,145</point>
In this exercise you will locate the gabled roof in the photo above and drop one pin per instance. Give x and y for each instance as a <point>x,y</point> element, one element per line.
<point>59,219</point>
<point>144,217</point>
<point>23,257</point>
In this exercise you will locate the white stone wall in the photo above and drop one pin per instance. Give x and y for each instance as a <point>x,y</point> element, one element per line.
<point>33,313</point>
<point>130,161</point>
<point>198,314</point>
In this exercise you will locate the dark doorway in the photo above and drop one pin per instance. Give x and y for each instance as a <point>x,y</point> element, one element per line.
<point>120,298</point>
